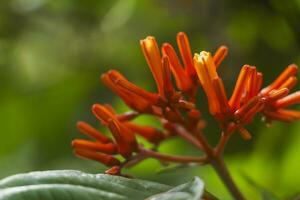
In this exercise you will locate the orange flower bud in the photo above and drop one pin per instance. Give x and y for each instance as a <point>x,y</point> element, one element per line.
<point>248,116</point>
<point>127,116</point>
<point>245,133</point>
<point>283,115</point>
<point>168,87</point>
<point>108,148</point>
<point>277,94</point>
<point>186,54</point>
<point>239,88</point>
<point>220,55</point>
<point>115,170</point>
<point>291,70</point>
<point>221,95</point>
<point>149,133</point>
<point>133,96</point>
<point>251,85</point>
<point>124,137</point>
<point>107,160</point>
<point>258,83</point>
<point>102,113</point>
<point>153,58</point>
<point>88,130</point>
<point>289,100</point>
<point>289,83</point>
<point>183,81</point>
<point>126,97</point>
<point>186,104</point>
<point>206,72</point>
<point>246,107</point>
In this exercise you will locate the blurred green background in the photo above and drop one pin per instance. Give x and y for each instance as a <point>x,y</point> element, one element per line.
<point>53,52</point>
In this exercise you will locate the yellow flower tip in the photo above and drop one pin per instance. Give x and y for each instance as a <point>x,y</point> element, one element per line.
<point>204,54</point>
<point>196,57</point>
<point>210,64</point>
<point>148,43</point>
<point>206,72</point>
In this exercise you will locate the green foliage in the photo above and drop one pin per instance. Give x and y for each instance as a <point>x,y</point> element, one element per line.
<point>67,184</point>
<point>192,190</point>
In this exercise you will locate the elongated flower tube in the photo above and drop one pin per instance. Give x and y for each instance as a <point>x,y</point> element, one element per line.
<point>288,100</point>
<point>220,55</point>
<point>148,132</point>
<point>186,54</point>
<point>108,148</point>
<point>239,88</point>
<point>99,150</point>
<point>221,95</point>
<point>290,71</point>
<point>90,131</point>
<point>124,137</point>
<point>183,81</point>
<point>168,86</point>
<point>277,108</point>
<point>153,58</point>
<point>206,71</point>
<point>107,160</point>
<point>134,96</point>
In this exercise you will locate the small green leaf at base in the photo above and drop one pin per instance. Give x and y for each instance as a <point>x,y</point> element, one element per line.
<point>192,190</point>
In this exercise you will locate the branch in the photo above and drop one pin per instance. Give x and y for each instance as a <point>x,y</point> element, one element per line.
<point>188,137</point>
<point>172,158</point>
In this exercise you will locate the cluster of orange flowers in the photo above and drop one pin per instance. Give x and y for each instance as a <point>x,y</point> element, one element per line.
<point>176,105</point>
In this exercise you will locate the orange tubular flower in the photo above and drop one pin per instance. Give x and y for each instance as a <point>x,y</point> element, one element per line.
<point>221,95</point>
<point>153,58</point>
<point>108,148</point>
<point>290,71</point>
<point>238,91</point>
<point>88,130</point>
<point>132,95</point>
<point>124,137</point>
<point>288,100</point>
<point>183,81</point>
<point>246,100</point>
<point>186,54</point>
<point>108,160</point>
<point>220,55</point>
<point>206,71</point>
<point>149,133</point>
<point>276,109</point>
<point>168,87</point>
<point>102,113</point>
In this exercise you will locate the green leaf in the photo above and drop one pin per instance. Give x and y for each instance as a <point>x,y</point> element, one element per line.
<point>192,190</point>
<point>265,194</point>
<point>76,185</point>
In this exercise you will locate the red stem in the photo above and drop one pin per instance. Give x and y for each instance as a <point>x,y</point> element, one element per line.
<point>172,158</point>
<point>220,167</point>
